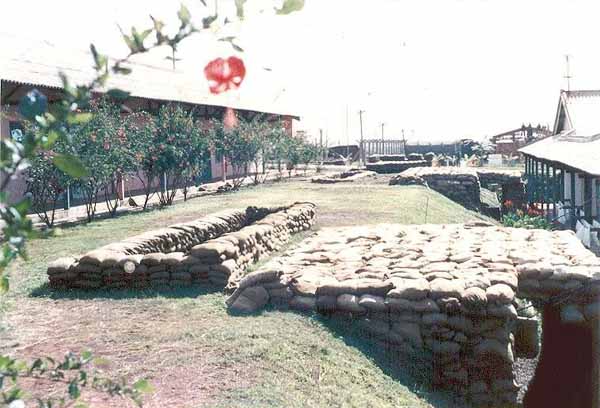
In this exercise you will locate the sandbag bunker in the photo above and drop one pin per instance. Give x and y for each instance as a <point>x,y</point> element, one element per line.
<point>446,292</point>
<point>209,250</point>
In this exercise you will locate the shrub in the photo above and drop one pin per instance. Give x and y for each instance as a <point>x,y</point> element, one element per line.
<point>45,184</point>
<point>141,129</point>
<point>105,150</point>
<point>521,219</point>
<point>180,149</point>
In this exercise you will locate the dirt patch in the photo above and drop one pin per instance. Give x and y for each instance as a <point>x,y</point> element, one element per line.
<point>141,338</point>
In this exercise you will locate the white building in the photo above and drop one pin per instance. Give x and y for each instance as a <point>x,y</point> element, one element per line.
<point>563,171</point>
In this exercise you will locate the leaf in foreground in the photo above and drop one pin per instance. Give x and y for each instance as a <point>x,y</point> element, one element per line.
<point>70,164</point>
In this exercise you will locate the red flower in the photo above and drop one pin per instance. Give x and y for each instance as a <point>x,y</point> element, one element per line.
<point>223,75</point>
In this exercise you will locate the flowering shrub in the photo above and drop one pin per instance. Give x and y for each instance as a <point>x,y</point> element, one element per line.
<point>180,148</point>
<point>532,219</point>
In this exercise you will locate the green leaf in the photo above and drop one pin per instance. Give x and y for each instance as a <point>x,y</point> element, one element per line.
<point>33,104</point>
<point>119,69</point>
<point>73,389</point>
<point>143,386</point>
<point>207,21</point>
<point>289,6</point>
<point>23,206</point>
<point>70,164</point>
<point>4,286</point>
<point>99,59</point>
<point>86,355</point>
<point>117,93</point>
<point>239,7</point>
<point>184,15</point>
<point>52,137</point>
<point>129,41</point>
<point>79,118</point>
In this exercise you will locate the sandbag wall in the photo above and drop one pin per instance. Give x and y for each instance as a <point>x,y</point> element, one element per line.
<point>386,167</point>
<point>458,184</point>
<point>445,293</point>
<point>488,177</point>
<point>207,250</point>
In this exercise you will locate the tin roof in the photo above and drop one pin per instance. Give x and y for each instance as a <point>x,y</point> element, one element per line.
<point>38,62</point>
<point>582,113</point>
<point>576,139</point>
<point>584,156</point>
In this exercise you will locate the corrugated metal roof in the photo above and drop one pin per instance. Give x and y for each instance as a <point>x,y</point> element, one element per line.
<point>584,156</point>
<point>583,110</point>
<point>39,62</point>
<point>577,143</point>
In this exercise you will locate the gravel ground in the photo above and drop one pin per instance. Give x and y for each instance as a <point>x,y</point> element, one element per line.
<point>524,370</point>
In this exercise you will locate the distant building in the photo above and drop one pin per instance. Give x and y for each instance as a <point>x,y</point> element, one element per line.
<point>563,170</point>
<point>508,143</point>
<point>27,64</point>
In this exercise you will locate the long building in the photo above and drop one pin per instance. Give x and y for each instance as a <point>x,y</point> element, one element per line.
<point>26,64</point>
<point>563,170</point>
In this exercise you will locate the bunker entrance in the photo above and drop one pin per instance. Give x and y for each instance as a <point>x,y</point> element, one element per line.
<point>567,372</point>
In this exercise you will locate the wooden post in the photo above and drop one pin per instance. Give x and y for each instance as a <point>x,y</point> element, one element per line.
<point>587,197</point>
<point>574,212</point>
<point>554,192</point>
<point>543,185</point>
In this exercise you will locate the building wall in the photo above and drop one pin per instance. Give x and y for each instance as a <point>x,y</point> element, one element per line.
<point>17,187</point>
<point>579,191</point>
<point>132,185</point>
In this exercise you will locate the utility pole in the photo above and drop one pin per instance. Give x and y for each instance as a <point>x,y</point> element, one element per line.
<point>568,72</point>
<point>382,125</point>
<point>361,150</point>
<point>403,141</point>
<point>321,152</point>
<point>347,134</point>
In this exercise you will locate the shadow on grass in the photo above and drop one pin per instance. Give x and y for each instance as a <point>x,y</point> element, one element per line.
<point>413,371</point>
<point>126,293</point>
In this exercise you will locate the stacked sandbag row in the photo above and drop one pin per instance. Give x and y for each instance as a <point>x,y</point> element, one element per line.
<point>181,237</point>
<point>573,280</point>
<point>494,176</point>
<point>465,333</point>
<point>458,184</point>
<point>105,266</point>
<point>213,262</point>
<point>348,176</point>
<point>447,292</point>
<point>387,167</point>
<point>268,235</point>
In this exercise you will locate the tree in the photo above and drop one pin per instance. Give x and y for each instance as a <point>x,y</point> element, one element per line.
<point>104,150</point>
<point>255,133</point>
<point>276,146</point>
<point>292,148</point>
<point>45,183</point>
<point>141,128</point>
<point>236,145</point>
<point>309,152</point>
<point>180,148</point>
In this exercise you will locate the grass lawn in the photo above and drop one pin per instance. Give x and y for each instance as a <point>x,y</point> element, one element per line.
<point>192,351</point>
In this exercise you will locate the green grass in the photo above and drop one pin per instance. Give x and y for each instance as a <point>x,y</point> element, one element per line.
<point>196,354</point>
